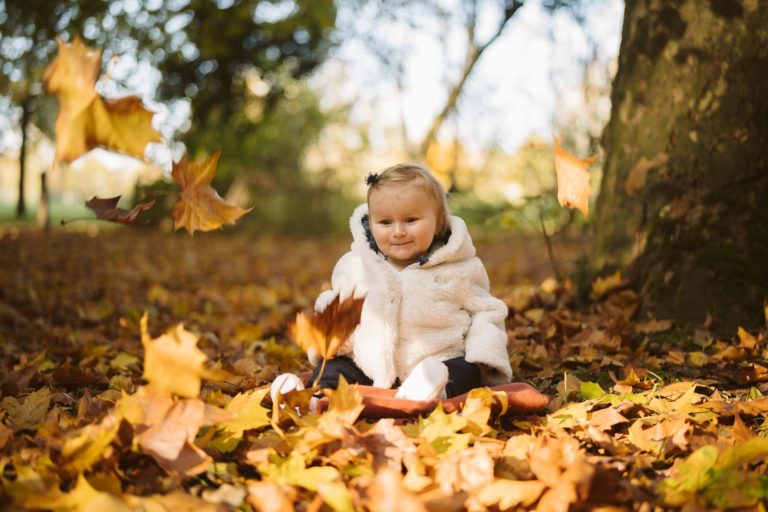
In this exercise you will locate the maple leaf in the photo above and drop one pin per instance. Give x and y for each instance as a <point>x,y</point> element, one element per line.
<point>324,332</point>
<point>166,427</point>
<point>247,413</point>
<point>86,120</point>
<point>573,187</point>
<point>84,447</point>
<point>390,495</point>
<point>440,431</point>
<point>31,413</point>
<point>722,478</point>
<point>199,206</point>
<point>82,498</point>
<point>172,362</point>
<point>507,494</point>
<point>477,409</point>
<point>106,209</point>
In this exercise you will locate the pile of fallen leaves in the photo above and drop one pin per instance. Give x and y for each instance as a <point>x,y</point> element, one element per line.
<point>135,369</point>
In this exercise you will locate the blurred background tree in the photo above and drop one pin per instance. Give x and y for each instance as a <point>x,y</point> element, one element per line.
<point>255,79</point>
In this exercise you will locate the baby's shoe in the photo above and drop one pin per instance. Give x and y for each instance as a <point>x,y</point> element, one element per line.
<point>284,383</point>
<point>426,381</point>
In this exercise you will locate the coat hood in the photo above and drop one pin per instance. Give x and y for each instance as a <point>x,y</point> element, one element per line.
<point>458,247</point>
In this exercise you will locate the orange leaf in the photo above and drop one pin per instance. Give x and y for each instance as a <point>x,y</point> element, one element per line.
<point>106,209</point>
<point>325,332</point>
<point>86,120</point>
<point>573,187</point>
<point>200,207</point>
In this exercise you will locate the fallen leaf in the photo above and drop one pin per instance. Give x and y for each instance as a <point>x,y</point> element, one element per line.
<point>721,479</point>
<point>30,413</point>
<point>82,498</point>
<point>602,285</point>
<point>573,187</point>
<point>166,427</point>
<point>507,494</point>
<point>199,206</point>
<point>84,447</point>
<point>86,120</point>
<point>268,496</point>
<point>106,209</point>
<point>247,413</point>
<point>389,494</point>
<point>172,362</point>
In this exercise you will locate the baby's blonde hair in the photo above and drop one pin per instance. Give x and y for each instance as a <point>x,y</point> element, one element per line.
<point>407,173</point>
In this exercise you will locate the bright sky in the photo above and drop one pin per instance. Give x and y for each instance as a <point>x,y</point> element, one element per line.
<point>529,72</point>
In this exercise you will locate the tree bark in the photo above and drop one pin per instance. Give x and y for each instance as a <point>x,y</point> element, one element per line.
<point>684,196</point>
<point>26,111</point>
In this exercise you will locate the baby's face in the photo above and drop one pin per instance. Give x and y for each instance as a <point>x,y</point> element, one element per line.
<point>403,222</point>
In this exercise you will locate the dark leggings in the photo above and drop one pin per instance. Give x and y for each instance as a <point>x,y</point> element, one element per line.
<point>462,376</point>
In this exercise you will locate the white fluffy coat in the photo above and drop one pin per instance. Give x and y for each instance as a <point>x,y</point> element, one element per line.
<point>442,308</point>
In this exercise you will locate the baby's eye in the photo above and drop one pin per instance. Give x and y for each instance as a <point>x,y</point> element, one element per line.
<point>385,222</point>
<point>411,219</point>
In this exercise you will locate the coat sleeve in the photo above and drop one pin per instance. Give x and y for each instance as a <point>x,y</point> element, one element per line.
<point>345,282</point>
<point>486,339</point>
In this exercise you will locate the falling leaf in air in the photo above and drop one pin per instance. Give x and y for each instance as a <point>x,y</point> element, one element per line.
<point>106,209</point>
<point>573,187</point>
<point>172,362</point>
<point>324,332</point>
<point>199,206</point>
<point>86,120</point>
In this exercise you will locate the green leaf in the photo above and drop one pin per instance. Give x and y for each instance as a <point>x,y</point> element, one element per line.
<point>591,391</point>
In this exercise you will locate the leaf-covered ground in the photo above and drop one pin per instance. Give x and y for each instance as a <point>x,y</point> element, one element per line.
<point>641,414</point>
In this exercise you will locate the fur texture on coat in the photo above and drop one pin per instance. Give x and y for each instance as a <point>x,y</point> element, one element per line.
<point>441,307</point>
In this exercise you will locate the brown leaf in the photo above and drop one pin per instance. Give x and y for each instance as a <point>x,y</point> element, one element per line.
<point>388,494</point>
<point>325,332</point>
<point>199,206</point>
<point>507,494</point>
<point>5,434</point>
<point>106,209</point>
<point>573,187</point>
<point>166,427</point>
<point>86,120</point>
<point>266,496</point>
<point>606,419</point>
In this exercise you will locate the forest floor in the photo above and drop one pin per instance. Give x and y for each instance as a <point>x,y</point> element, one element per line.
<point>641,415</point>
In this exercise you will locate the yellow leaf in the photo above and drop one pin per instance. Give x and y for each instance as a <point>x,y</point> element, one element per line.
<point>292,470</point>
<point>83,498</point>
<point>477,409</point>
<point>344,408</point>
<point>199,206</point>
<point>507,494</point>
<point>84,447</point>
<point>247,413</point>
<point>573,187</point>
<point>602,285</point>
<point>30,413</point>
<point>441,431</point>
<point>86,120</point>
<point>172,362</point>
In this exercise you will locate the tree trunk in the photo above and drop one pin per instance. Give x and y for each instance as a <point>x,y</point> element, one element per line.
<point>685,189</point>
<point>26,111</point>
